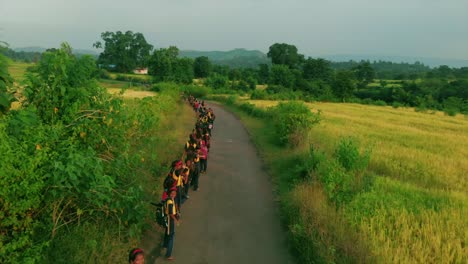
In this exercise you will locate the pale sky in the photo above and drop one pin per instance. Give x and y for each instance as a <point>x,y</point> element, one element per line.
<point>425,28</point>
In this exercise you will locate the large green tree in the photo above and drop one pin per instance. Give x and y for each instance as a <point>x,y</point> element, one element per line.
<point>364,73</point>
<point>126,51</point>
<point>165,65</point>
<point>344,85</point>
<point>162,63</point>
<point>317,69</point>
<point>281,75</point>
<point>285,54</point>
<point>202,67</point>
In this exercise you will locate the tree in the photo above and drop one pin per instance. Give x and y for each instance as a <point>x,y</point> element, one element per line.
<point>317,69</point>
<point>126,51</point>
<point>364,73</point>
<point>183,71</point>
<point>6,92</point>
<point>285,54</point>
<point>202,67</point>
<point>163,62</point>
<point>263,73</point>
<point>344,85</point>
<point>281,75</point>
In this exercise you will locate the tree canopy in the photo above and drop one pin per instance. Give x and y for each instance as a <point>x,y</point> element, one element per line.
<point>285,54</point>
<point>123,52</point>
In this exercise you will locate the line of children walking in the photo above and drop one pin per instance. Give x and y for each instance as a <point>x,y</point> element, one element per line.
<point>185,173</point>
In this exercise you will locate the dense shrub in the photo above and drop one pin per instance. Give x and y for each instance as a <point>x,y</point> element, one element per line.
<point>347,153</point>
<point>259,95</point>
<point>69,157</point>
<point>292,122</point>
<point>344,176</point>
<point>195,90</point>
<point>216,81</point>
<point>252,110</point>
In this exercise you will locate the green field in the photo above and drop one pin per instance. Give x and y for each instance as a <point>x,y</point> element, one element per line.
<point>416,209</point>
<point>18,69</point>
<point>128,75</point>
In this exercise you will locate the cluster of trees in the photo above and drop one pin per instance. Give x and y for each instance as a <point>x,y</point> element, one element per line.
<point>67,157</point>
<point>26,56</point>
<point>292,74</point>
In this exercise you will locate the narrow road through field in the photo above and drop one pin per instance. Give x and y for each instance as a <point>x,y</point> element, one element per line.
<point>232,218</point>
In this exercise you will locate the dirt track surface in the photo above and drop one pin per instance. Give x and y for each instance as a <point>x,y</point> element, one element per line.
<point>232,218</point>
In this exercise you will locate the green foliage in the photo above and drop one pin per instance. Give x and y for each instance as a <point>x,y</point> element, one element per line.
<point>285,54</point>
<point>126,51</point>
<point>317,69</point>
<point>259,95</point>
<point>252,110</point>
<point>344,85</point>
<point>6,91</point>
<point>202,67</point>
<point>344,176</point>
<point>281,75</point>
<point>69,157</point>
<point>165,65</point>
<point>217,81</point>
<point>292,122</point>
<point>364,73</point>
<point>347,153</point>
<point>197,91</point>
<point>131,79</point>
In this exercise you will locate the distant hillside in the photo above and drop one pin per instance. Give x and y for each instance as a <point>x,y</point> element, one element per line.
<point>41,49</point>
<point>237,58</point>
<point>431,62</point>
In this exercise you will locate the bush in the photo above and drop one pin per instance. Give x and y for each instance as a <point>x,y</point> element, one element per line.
<point>104,74</point>
<point>343,177</point>
<point>307,164</point>
<point>348,155</point>
<point>396,104</point>
<point>252,110</point>
<point>165,86</point>
<point>217,81</point>
<point>380,103</point>
<point>258,95</point>
<point>292,122</point>
<point>197,91</point>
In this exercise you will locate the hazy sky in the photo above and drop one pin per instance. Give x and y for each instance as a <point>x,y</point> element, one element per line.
<point>426,28</point>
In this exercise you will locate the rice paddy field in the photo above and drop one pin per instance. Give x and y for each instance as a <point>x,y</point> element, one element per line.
<point>18,69</point>
<point>416,210</point>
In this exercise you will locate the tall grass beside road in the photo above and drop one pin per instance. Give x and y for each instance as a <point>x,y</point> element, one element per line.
<point>406,204</point>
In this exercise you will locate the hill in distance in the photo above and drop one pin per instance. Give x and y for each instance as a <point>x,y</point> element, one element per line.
<point>41,49</point>
<point>431,62</point>
<point>237,58</point>
<point>243,58</point>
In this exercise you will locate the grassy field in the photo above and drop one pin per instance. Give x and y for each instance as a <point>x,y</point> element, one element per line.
<point>18,69</point>
<point>114,84</point>
<point>136,76</point>
<point>416,209</point>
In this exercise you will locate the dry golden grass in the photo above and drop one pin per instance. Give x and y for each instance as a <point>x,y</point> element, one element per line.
<point>131,93</point>
<point>422,159</point>
<point>430,150</point>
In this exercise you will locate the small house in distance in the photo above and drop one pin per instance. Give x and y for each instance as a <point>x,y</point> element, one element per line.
<point>140,71</point>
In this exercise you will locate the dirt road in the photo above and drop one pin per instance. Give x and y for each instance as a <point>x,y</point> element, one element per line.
<point>232,218</point>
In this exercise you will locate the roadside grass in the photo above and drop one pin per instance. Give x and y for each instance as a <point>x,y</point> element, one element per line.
<point>427,150</point>
<point>414,210</point>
